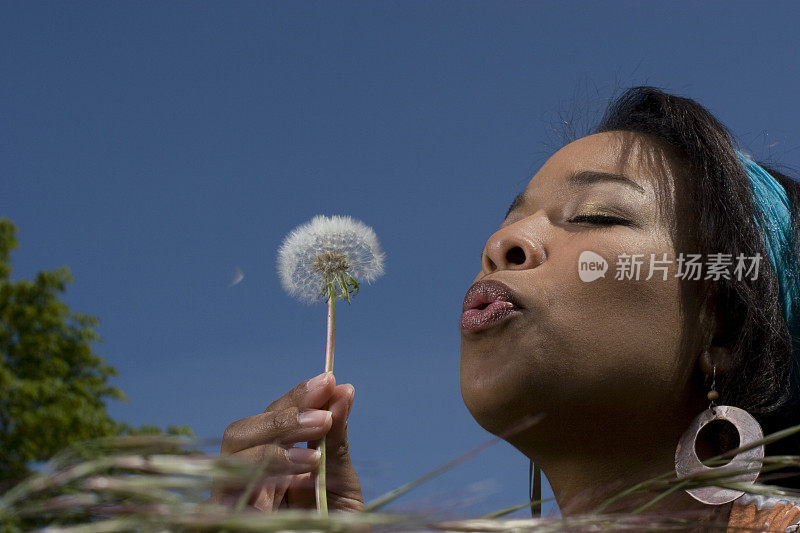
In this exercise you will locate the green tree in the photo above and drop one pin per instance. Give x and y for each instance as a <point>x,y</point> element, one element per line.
<point>53,387</point>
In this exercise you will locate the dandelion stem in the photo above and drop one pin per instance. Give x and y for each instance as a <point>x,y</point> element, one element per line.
<point>322,497</point>
<point>331,333</point>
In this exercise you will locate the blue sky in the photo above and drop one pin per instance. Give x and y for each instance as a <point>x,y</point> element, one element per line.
<point>153,147</point>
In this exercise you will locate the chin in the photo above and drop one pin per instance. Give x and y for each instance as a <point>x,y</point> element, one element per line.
<point>499,396</point>
<point>485,417</point>
<point>489,402</point>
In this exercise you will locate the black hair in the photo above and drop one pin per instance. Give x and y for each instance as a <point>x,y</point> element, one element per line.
<point>765,379</point>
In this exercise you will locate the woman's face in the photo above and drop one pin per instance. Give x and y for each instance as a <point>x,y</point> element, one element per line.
<point>605,352</point>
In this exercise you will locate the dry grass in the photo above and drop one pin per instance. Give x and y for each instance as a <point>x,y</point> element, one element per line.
<point>157,483</point>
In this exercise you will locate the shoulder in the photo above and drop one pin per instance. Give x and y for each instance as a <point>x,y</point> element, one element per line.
<point>765,513</point>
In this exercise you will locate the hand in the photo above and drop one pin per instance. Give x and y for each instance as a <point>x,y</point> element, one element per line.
<point>270,436</point>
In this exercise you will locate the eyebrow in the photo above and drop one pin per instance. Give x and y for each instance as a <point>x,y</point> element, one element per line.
<point>585,178</point>
<point>590,177</point>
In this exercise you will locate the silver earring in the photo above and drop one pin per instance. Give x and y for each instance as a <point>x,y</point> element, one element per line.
<point>687,462</point>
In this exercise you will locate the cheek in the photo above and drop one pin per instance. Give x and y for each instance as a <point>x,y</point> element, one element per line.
<point>618,339</point>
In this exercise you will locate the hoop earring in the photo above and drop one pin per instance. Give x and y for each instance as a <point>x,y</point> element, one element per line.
<point>687,462</point>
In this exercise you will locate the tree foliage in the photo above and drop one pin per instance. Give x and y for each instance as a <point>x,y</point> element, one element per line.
<point>53,387</point>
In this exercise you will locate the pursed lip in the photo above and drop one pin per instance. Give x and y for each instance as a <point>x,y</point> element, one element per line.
<point>484,292</point>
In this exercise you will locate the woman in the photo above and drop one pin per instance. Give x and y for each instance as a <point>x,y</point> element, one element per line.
<point>619,362</point>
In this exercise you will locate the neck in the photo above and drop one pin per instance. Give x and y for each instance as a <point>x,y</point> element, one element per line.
<point>588,472</point>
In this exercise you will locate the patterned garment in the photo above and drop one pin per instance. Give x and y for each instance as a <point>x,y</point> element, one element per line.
<point>761,513</point>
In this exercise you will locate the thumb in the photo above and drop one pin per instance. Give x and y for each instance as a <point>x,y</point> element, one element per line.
<point>341,476</point>
<point>340,405</point>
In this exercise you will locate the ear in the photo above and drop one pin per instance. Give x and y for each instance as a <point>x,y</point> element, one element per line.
<point>716,355</point>
<point>718,351</point>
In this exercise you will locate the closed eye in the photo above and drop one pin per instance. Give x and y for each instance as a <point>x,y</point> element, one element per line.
<point>606,220</point>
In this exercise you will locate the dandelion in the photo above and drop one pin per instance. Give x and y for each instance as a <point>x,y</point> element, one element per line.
<point>322,260</point>
<point>328,255</point>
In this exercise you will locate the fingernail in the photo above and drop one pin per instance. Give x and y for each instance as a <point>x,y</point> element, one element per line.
<point>319,381</point>
<point>312,419</point>
<point>303,455</point>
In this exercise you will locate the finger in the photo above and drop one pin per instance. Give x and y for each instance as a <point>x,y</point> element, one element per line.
<point>309,394</point>
<point>301,492</point>
<point>268,462</point>
<point>287,427</point>
<point>312,393</point>
<point>277,460</point>
<point>280,491</point>
<point>265,496</point>
<point>270,494</point>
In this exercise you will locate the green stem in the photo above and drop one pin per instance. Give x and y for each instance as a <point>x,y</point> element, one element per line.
<point>322,497</point>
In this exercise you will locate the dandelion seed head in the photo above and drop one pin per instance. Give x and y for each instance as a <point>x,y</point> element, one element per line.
<point>323,247</point>
<point>329,262</point>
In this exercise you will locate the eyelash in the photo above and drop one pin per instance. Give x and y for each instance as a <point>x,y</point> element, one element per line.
<point>605,220</point>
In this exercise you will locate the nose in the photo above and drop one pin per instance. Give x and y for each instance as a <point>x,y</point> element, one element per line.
<point>509,249</point>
